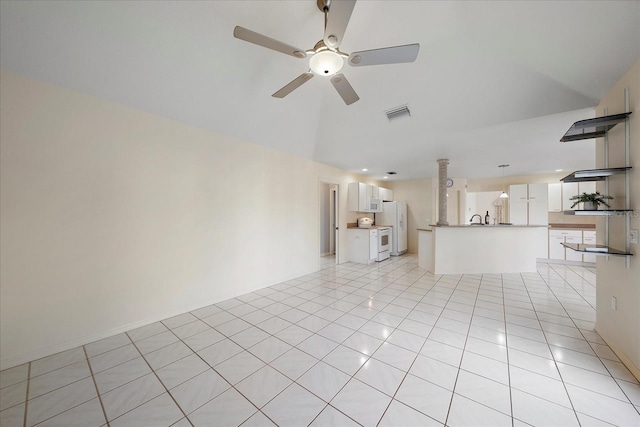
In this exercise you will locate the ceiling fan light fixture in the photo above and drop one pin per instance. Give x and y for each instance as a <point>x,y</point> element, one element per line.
<point>326,63</point>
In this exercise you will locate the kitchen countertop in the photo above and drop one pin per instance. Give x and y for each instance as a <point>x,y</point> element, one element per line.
<point>572,226</point>
<point>349,227</point>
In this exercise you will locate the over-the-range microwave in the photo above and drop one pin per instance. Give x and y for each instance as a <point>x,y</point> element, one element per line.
<point>374,204</point>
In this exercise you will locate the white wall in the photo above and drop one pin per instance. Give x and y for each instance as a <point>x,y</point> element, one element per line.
<point>620,328</point>
<point>113,218</point>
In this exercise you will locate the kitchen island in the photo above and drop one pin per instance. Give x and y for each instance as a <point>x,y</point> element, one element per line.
<point>469,249</point>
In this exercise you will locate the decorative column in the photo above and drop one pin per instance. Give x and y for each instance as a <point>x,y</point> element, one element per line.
<point>442,191</point>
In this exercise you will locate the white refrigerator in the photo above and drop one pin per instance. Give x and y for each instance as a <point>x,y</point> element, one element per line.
<point>395,215</point>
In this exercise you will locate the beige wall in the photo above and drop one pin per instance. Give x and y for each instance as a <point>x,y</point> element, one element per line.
<point>621,327</point>
<point>419,194</point>
<point>113,218</point>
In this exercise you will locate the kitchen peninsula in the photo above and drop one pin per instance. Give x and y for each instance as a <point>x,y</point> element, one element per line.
<point>468,249</point>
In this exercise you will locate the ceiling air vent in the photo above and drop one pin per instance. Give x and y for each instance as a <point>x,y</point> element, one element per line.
<point>398,113</point>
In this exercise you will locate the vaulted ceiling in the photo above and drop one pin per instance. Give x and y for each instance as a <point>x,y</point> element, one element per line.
<point>494,82</point>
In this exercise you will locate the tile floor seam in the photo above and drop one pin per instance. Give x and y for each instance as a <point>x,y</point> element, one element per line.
<point>26,398</point>
<point>564,386</point>
<point>480,403</point>
<point>95,384</point>
<point>506,345</point>
<point>159,380</point>
<point>231,386</point>
<point>461,358</point>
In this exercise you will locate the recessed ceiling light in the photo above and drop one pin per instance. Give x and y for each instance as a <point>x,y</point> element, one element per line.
<point>365,169</point>
<point>558,170</point>
<point>385,177</point>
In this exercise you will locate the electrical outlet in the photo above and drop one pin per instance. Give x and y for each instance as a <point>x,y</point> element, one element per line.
<point>633,237</point>
<point>614,303</point>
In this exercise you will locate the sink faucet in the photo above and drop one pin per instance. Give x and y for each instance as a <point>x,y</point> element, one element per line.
<point>476,215</point>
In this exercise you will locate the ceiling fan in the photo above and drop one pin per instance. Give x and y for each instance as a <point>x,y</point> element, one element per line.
<point>326,57</point>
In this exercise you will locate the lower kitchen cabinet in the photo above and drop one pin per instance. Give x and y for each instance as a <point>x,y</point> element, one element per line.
<point>556,250</point>
<point>571,255</point>
<point>362,245</point>
<point>589,238</point>
<point>559,252</point>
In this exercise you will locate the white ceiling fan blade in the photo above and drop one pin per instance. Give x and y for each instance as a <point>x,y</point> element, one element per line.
<point>339,15</point>
<point>264,41</point>
<point>385,55</point>
<point>339,81</point>
<point>293,85</point>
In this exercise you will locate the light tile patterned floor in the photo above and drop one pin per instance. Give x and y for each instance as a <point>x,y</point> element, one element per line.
<point>385,344</point>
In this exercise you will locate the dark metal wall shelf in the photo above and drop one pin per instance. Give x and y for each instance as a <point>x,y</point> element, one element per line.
<point>594,174</point>
<point>598,128</point>
<point>595,249</point>
<point>593,128</point>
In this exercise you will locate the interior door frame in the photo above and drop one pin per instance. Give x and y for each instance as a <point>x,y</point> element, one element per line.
<point>334,188</point>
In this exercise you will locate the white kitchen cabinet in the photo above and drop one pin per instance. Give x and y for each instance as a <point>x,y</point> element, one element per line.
<point>386,195</point>
<point>569,254</point>
<point>358,197</point>
<point>538,192</point>
<point>538,204</point>
<point>518,192</point>
<point>373,191</point>
<point>362,245</point>
<point>538,213</point>
<point>559,252</point>
<point>528,204</point>
<point>518,212</point>
<point>589,238</point>
<point>554,195</point>
<point>556,250</point>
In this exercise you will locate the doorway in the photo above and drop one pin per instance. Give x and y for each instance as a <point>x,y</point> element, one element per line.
<point>329,230</point>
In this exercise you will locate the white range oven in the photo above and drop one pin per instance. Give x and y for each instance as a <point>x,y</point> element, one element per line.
<point>384,243</point>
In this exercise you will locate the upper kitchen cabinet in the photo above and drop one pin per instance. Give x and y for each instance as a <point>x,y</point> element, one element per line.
<point>363,197</point>
<point>555,197</point>
<point>528,204</point>
<point>386,195</point>
<point>373,191</point>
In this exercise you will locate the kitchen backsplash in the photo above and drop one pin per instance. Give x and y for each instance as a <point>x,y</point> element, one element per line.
<point>560,218</point>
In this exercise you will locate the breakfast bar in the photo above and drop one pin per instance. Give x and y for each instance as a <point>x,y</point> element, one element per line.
<point>467,249</point>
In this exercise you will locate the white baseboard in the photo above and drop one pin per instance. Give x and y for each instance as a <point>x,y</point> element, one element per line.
<point>635,371</point>
<point>39,353</point>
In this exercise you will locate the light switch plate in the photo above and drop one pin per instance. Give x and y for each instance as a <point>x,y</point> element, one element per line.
<point>633,237</point>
